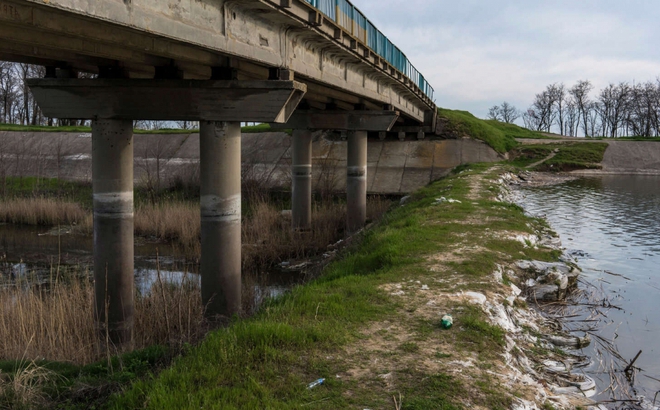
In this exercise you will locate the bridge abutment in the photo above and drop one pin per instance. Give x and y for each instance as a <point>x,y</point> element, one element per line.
<point>112,185</point>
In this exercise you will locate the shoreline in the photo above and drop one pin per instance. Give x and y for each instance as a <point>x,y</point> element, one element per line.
<point>370,325</point>
<point>454,248</point>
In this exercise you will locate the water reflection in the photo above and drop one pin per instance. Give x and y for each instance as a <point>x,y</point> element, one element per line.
<point>37,253</point>
<point>611,225</point>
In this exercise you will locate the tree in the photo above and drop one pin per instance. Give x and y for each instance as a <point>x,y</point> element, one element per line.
<point>504,113</point>
<point>543,111</point>
<point>557,93</point>
<point>580,93</point>
<point>494,113</point>
<point>509,113</point>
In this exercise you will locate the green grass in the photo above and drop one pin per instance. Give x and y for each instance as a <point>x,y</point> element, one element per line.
<point>81,192</point>
<point>624,138</point>
<point>500,136</point>
<point>86,387</point>
<point>267,361</point>
<point>570,156</point>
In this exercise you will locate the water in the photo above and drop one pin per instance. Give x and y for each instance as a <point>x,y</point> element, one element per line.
<point>31,249</point>
<point>611,224</point>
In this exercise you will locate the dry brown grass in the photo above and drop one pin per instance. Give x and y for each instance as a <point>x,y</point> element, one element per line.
<point>268,237</point>
<point>24,389</point>
<point>177,222</point>
<point>56,322</point>
<point>41,211</point>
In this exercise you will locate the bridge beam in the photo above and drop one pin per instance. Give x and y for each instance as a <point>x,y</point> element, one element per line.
<point>112,182</point>
<point>341,120</point>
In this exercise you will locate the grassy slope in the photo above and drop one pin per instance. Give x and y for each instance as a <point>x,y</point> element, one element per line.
<point>500,136</point>
<point>266,361</point>
<point>570,156</point>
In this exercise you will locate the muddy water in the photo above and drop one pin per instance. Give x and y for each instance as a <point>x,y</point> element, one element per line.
<point>611,225</point>
<point>30,249</point>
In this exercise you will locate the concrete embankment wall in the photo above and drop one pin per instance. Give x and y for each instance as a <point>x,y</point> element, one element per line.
<point>632,157</point>
<point>394,167</point>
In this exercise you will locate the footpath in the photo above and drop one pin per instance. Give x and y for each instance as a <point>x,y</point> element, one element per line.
<point>368,334</point>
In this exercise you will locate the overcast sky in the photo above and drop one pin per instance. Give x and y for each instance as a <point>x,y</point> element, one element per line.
<point>478,53</point>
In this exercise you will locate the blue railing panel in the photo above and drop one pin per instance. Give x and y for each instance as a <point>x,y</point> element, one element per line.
<point>351,19</point>
<point>328,7</point>
<point>345,17</point>
<point>360,25</point>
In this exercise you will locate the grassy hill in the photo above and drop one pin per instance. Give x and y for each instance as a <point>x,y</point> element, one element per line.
<point>500,136</point>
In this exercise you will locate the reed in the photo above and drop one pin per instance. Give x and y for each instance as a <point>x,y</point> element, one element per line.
<point>267,235</point>
<point>54,321</point>
<point>41,211</point>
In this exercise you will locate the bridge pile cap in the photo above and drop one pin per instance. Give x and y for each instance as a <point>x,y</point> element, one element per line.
<point>167,100</point>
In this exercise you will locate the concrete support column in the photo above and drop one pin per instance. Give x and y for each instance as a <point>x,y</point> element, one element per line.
<point>301,175</point>
<point>220,186</point>
<point>356,181</point>
<point>112,173</point>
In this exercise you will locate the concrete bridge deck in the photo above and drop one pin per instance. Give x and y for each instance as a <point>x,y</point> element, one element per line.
<point>203,39</point>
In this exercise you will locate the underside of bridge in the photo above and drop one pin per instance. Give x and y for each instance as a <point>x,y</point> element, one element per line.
<point>243,40</point>
<point>219,62</point>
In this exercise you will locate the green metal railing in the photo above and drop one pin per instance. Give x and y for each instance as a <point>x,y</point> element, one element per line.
<point>348,17</point>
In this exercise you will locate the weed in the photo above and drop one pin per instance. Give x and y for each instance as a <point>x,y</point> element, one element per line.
<point>409,347</point>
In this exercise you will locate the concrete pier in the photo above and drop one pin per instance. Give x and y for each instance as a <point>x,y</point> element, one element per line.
<point>356,181</point>
<point>112,173</point>
<point>301,176</point>
<point>220,180</point>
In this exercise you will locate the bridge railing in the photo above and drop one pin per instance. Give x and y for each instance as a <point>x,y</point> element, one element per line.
<point>348,17</point>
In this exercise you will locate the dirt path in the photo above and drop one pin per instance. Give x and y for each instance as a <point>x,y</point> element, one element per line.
<point>549,157</point>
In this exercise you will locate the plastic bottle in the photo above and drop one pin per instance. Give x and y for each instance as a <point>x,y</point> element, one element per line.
<point>315,383</point>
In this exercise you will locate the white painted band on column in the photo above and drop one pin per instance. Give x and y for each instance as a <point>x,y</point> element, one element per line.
<point>302,171</point>
<point>215,208</point>
<point>113,204</point>
<point>356,171</point>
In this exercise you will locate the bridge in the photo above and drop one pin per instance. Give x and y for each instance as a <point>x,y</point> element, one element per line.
<point>299,64</point>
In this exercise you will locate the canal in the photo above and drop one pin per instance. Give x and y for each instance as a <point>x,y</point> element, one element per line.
<point>611,226</point>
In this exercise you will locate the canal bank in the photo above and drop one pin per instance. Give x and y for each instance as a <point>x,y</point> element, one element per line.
<point>370,327</point>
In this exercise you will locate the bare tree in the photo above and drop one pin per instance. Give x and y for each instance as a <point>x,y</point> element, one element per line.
<point>509,113</point>
<point>543,111</point>
<point>580,93</point>
<point>504,113</point>
<point>557,94</point>
<point>7,91</point>
<point>494,113</point>
<point>187,125</point>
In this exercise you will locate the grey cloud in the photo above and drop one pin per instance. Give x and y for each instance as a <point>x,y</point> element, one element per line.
<point>478,53</point>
